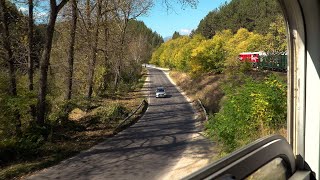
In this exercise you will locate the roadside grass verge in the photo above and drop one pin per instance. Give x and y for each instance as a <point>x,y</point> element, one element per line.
<point>206,87</point>
<point>87,124</point>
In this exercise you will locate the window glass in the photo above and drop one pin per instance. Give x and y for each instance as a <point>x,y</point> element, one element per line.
<point>274,170</point>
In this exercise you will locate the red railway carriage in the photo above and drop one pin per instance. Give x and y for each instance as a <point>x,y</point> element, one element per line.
<point>250,56</point>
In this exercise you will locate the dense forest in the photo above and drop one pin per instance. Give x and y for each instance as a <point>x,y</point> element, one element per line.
<point>256,16</point>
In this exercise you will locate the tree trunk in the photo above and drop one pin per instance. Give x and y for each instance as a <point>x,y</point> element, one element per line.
<point>94,51</point>
<point>121,55</point>
<point>31,55</point>
<point>45,60</point>
<point>71,49</point>
<point>106,57</point>
<point>116,79</point>
<point>4,24</point>
<point>30,45</point>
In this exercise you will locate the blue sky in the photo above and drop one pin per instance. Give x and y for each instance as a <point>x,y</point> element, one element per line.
<point>178,18</point>
<point>181,19</point>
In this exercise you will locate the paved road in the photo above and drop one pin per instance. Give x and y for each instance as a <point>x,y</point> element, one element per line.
<point>147,150</point>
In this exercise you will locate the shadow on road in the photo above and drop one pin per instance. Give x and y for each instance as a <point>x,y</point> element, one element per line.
<point>148,149</point>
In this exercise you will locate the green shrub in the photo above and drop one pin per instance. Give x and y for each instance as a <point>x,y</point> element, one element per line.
<point>254,109</point>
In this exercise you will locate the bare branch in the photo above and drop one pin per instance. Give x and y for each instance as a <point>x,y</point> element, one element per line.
<point>62,3</point>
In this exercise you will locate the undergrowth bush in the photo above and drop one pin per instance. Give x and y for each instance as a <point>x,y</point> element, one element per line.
<point>254,109</point>
<point>60,111</point>
<point>114,112</point>
<point>15,110</point>
<point>25,147</point>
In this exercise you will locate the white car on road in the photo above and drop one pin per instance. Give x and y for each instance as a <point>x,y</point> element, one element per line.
<point>160,92</point>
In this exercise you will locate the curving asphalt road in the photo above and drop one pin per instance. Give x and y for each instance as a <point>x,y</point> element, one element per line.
<point>147,150</point>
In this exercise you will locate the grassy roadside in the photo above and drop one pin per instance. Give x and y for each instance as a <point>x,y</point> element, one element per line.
<point>207,88</point>
<point>82,130</point>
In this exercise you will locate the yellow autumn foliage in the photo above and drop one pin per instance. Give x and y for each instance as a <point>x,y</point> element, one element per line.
<point>198,55</point>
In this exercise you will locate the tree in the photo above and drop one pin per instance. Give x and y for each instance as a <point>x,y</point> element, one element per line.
<point>74,17</point>
<point>93,43</point>
<point>276,41</point>
<point>183,57</point>
<point>209,56</point>
<point>45,59</point>
<point>94,50</point>
<point>192,3</point>
<point>176,35</point>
